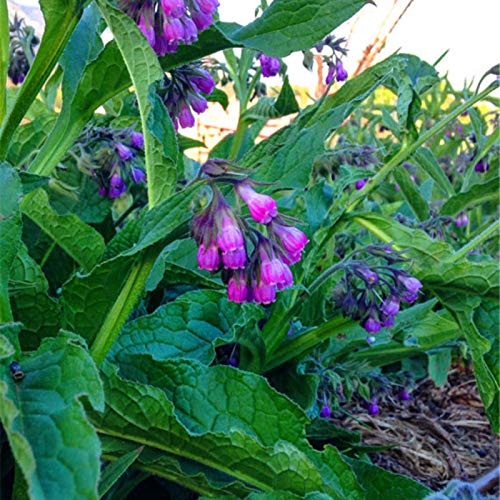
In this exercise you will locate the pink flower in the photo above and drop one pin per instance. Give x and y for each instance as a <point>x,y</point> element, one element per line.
<point>272,271</point>
<point>264,294</point>
<point>291,258</point>
<point>262,207</point>
<point>208,258</point>
<point>288,281</point>
<point>292,239</point>
<point>229,238</point>
<point>235,260</point>
<point>237,289</point>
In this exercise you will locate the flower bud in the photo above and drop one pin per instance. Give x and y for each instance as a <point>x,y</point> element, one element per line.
<point>411,284</point>
<point>137,175</point>
<point>371,325</point>
<point>124,152</point>
<point>390,306</point>
<point>341,73</point>
<point>325,412</point>
<point>137,140</point>
<point>292,239</point>
<point>237,289</point>
<point>229,238</point>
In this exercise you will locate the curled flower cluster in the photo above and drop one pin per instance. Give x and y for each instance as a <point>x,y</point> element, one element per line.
<point>270,66</point>
<point>111,157</point>
<point>22,43</point>
<point>372,294</point>
<point>253,265</point>
<point>336,70</point>
<point>168,23</point>
<point>183,91</point>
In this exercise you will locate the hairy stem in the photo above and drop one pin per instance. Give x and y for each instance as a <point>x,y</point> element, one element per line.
<point>488,233</point>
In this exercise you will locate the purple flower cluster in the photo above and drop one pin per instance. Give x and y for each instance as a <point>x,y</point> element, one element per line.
<point>168,23</point>
<point>111,157</point>
<point>270,65</point>
<point>224,240</point>
<point>373,294</point>
<point>21,39</point>
<point>183,92</point>
<point>481,167</point>
<point>336,70</point>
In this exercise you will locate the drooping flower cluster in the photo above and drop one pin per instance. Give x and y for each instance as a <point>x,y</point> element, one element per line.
<point>22,43</point>
<point>372,293</point>
<point>270,66</point>
<point>183,91</point>
<point>333,60</point>
<point>111,157</point>
<point>254,265</point>
<point>168,23</point>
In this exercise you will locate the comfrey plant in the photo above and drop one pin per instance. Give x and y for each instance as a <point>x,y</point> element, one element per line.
<point>168,23</point>
<point>254,265</point>
<point>139,335</point>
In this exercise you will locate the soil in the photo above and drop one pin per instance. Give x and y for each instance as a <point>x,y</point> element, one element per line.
<point>441,433</point>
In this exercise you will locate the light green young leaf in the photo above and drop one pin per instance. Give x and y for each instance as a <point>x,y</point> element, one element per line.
<point>160,143</point>
<point>79,240</point>
<point>51,439</point>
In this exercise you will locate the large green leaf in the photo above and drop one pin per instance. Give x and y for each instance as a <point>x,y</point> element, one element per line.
<point>82,242</point>
<point>226,419</point>
<point>31,304</point>
<point>61,18</point>
<point>428,162</point>
<point>187,328</point>
<point>188,473</point>
<point>382,484</point>
<point>160,143</point>
<point>411,193</point>
<point>290,25</point>
<point>54,444</point>
<point>10,232</point>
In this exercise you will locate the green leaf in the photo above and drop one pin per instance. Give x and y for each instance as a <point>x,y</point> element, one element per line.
<point>112,472</point>
<point>475,195</point>
<point>411,193</point>
<point>439,364</point>
<point>10,232</point>
<point>170,216</point>
<point>266,108</point>
<point>88,299</point>
<point>426,331</point>
<point>102,78</point>
<point>290,25</point>
<point>4,56</point>
<point>31,304</point>
<point>160,143</point>
<point>251,445</point>
<point>79,240</point>
<point>428,162</point>
<point>61,18</point>
<point>185,328</point>
<point>462,307</point>
<point>304,140</point>
<point>383,484</point>
<point>51,439</point>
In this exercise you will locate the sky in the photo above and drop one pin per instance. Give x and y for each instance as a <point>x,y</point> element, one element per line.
<point>468,29</point>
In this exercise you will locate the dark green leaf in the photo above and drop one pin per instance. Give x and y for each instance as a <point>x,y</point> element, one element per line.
<point>428,162</point>
<point>411,193</point>
<point>112,472</point>
<point>49,434</point>
<point>82,242</point>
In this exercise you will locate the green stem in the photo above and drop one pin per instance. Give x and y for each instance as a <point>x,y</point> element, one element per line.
<point>4,57</point>
<point>123,305</point>
<point>485,235</point>
<point>298,346</point>
<point>407,150</point>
